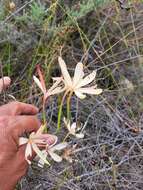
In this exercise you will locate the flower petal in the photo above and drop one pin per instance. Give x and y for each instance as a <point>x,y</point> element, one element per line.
<point>58,80</point>
<point>37,81</point>
<point>55,156</point>
<point>23,140</point>
<point>65,121</point>
<point>41,129</point>
<point>45,139</point>
<point>28,152</point>
<point>67,124</point>
<point>41,162</point>
<point>65,73</point>
<point>79,135</point>
<point>59,146</point>
<point>41,77</point>
<point>73,128</point>
<point>90,90</point>
<point>39,153</point>
<point>79,94</point>
<point>55,91</point>
<point>78,74</point>
<point>88,79</point>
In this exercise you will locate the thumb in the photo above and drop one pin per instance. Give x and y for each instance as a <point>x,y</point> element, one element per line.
<point>4,82</point>
<point>24,124</point>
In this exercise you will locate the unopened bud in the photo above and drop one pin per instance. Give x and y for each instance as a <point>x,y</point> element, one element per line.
<point>12,6</point>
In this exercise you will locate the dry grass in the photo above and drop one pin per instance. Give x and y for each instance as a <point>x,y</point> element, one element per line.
<point>110,40</point>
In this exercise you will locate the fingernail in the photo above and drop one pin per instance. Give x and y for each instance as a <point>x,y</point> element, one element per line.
<point>6,81</point>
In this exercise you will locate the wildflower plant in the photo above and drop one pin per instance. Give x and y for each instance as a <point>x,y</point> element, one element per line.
<point>40,142</point>
<point>73,129</point>
<point>76,85</point>
<point>78,82</point>
<point>35,142</point>
<point>51,151</point>
<point>54,89</point>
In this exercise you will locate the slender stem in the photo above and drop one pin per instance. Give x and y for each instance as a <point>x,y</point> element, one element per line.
<point>60,112</point>
<point>67,135</point>
<point>44,114</point>
<point>68,106</point>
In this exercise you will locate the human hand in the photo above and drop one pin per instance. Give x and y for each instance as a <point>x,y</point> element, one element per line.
<point>15,119</point>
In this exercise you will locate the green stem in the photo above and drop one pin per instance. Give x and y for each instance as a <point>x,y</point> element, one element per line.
<point>44,114</point>
<point>68,107</point>
<point>60,112</point>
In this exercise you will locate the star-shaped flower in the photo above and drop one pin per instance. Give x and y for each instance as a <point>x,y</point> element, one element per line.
<point>54,89</point>
<point>77,83</point>
<point>35,141</point>
<point>51,150</point>
<point>72,128</point>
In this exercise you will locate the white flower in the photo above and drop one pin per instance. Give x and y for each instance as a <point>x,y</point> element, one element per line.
<point>50,150</point>
<point>35,141</point>
<point>55,88</point>
<point>77,83</point>
<point>72,128</point>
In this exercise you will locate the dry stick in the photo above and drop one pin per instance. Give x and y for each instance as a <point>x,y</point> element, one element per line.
<point>105,169</point>
<point>17,11</point>
<point>67,135</point>
<point>119,62</point>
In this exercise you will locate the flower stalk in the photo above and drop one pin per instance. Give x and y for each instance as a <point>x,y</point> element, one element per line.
<point>60,111</point>
<point>69,106</point>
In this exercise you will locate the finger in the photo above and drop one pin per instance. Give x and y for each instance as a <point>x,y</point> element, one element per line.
<point>21,154</point>
<point>20,157</point>
<point>22,125</point>
<point>18,108</point>
<point>4,83</point>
